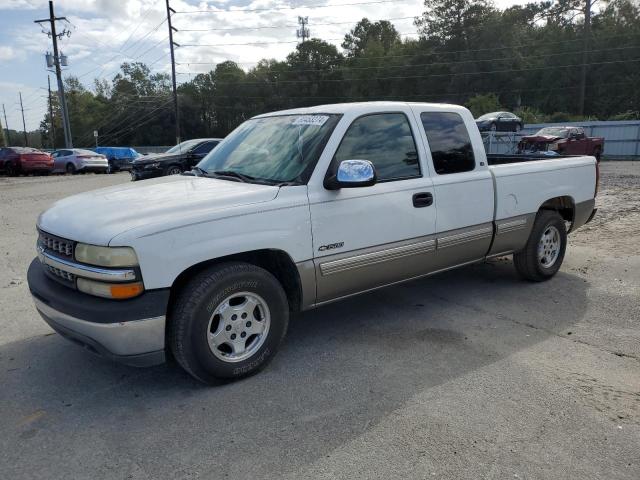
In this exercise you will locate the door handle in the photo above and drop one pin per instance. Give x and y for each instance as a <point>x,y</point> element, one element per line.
<point>422,199</point>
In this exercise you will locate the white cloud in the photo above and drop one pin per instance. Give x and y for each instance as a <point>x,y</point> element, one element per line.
<point>6,53</point>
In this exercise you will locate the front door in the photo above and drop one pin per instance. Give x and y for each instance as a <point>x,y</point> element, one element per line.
<point>367,237</point>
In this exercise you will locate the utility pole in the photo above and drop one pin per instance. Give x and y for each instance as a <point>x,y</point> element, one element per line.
<point>24,126</point>
<point>68,141</point>
<point>585,55</point>
<point>173,71</point>
<point>303,31</point>
<point>6,125</point>
<point>53,127</point>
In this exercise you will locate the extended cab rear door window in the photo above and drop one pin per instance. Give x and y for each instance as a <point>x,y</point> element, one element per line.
<point>449,142</point>
<point>386,140</point>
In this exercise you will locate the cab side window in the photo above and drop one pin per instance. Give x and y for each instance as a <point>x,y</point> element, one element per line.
<point>386,140</point>
<point>205,148</point>
<point>449,142</point>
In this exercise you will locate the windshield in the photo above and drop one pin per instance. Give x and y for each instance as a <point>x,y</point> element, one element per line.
<point>487,116</point>
<point>184,146</point>
<point>273,149</point>
<point>553,132</point>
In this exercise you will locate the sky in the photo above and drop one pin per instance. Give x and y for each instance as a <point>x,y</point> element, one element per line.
<point>105,33</point>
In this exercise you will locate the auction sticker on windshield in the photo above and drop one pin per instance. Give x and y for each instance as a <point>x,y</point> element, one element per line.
<point>317,120</point>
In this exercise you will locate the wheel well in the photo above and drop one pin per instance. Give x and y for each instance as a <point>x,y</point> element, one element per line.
<point>276,262</point>
<point>563,205</point>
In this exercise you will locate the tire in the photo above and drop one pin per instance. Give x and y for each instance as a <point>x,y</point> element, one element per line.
<point>194,319</point>
<point>493,127</point>
<point>173,170</point>
<point>538,266</point>
<point>518,128</point>
<point>70,169</point>
<point>10,170</point>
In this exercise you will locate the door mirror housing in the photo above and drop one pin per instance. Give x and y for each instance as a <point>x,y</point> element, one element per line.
<point>352,174</point>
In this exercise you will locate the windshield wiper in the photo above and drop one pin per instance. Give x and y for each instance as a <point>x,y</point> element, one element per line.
<point>230,173</point>
<point>199,171</point>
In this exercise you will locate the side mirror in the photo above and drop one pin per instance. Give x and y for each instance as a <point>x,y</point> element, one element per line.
<point>352,174</point>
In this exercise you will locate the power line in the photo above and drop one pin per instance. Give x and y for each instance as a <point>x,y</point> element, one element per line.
<point>407,77</point>
<point>270,43</point>
<point>149,116</point>
<point>289,7</point>
<point>286,26</point>
<point>430,54</point>
<point>421,95</point>
<point>409,65</point>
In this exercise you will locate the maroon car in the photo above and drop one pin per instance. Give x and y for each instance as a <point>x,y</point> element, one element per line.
<point>562,140</point>
<point>17,160</point>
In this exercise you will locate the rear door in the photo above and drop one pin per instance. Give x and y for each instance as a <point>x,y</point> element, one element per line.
<point>463,185</point>
<point>367,237</point>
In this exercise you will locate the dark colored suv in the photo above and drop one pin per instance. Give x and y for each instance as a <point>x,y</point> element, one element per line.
<point>174,161</point>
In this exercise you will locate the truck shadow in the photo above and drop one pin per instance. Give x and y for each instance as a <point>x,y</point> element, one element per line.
<point>342,369</point>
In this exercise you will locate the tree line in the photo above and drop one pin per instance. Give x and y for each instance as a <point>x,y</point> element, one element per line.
<point>525,59</point>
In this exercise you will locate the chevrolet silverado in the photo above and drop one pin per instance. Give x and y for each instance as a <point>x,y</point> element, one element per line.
<point>294,209</point>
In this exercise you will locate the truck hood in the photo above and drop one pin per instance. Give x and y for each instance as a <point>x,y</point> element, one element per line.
<point>96,217</point>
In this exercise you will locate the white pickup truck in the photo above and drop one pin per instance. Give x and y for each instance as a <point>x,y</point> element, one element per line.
<point>293,210</point>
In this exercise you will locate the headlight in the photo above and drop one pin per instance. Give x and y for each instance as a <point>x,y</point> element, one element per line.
<point>118,291</point>
<point>106,256</point>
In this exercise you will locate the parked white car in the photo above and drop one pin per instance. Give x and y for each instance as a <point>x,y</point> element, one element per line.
<point>293,210</point>
<point>76,160</point>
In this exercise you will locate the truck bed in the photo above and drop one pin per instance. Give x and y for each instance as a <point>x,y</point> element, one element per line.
<point>502,159</point>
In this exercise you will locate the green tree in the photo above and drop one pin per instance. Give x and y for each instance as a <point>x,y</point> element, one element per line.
<point>481,104</point>
<point>382,32</point>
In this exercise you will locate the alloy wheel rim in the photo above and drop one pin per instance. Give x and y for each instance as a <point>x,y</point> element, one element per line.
<point>549,247</point>
<point>174,171</point>
<point>238,327</point>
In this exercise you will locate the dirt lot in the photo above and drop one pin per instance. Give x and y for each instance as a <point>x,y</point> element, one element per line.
<point>466,375</point>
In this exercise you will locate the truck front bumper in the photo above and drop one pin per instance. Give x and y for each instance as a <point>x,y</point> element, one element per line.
<point>129,331</point>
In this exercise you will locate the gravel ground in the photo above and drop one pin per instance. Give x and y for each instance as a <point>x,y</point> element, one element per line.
<point>466,375</point>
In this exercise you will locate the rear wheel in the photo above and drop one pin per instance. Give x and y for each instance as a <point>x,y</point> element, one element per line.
<point>518,127</point>
<point>11,170</point>
<point>597,152</point>
<point>543,254</point>
<point>228,322</point>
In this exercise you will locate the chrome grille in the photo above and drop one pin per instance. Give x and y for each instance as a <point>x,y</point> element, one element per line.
<point>56,244</point>
<point>61,273</point>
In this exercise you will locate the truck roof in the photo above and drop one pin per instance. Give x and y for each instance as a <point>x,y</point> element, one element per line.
<point>356,107</point>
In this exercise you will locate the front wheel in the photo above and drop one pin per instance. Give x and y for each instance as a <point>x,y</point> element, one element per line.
<point>70,169</point>
<point>228,322</point>
<point>173,170</point>
<point>543,254</point>
<point>11,170</point>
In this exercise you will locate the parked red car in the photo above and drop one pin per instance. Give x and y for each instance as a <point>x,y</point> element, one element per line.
<point>17,160</point>
<point>562,140</point>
